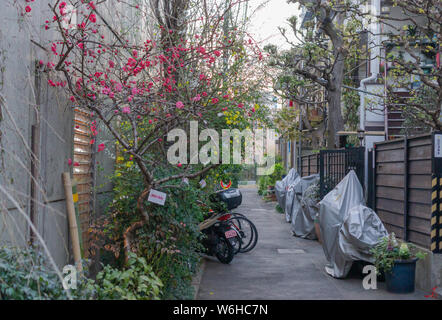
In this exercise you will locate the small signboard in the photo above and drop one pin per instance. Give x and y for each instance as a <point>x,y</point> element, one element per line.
<point>438,145</point>
<point>157,197</point>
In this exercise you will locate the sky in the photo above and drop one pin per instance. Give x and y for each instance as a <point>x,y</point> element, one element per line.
<point>265,22</point>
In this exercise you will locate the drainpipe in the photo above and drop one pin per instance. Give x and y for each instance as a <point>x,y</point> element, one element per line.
<point>374,62</point>
<point>375,53</point>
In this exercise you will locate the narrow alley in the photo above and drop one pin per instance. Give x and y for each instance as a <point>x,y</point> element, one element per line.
<point>281,266</point>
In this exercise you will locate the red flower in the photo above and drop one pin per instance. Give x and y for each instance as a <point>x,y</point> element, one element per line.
<point>101,147</point>
<point>93,18</point>
<point>28,9</point>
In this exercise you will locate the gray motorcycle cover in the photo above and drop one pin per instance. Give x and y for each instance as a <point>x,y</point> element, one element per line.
<point>291,203</point>
<point>281,187</point>
<point>303,213</point>
<point>348,228</point>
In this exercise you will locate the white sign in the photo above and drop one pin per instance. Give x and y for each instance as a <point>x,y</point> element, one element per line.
<point>438,145</point>
<point>203,183</point>
<point>157,197</point>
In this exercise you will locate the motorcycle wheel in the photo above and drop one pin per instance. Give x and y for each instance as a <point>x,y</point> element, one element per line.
<point>224,251</point>
<point>236,244</point>
<point>247,232</point>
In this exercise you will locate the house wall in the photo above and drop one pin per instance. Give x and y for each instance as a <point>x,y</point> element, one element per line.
<point>33,113</point>
<point>27,102</point>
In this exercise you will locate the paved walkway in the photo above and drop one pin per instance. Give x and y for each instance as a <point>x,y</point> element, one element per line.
<point>269,273</point>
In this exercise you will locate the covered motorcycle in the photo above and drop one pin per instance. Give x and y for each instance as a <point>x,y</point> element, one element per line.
<point>282,185</point>
<point>303,219</point>
<point>291,202</point>
<point>349,229</point>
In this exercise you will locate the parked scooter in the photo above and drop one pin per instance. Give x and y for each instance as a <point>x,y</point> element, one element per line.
<point>247,234</point>
<point>227,233</point>
<point>221,239</point>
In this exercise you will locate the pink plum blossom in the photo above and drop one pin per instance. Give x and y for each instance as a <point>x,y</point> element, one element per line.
<point>180,105</point>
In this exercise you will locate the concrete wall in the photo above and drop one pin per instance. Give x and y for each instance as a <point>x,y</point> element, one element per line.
<point>27,100</point>
<point>429,271</point>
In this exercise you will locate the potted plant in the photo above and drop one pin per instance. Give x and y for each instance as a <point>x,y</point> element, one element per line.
<point>277,172</point>
<point>397,261</point>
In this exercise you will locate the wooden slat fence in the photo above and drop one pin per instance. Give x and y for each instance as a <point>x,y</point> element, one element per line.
<point>403,176</point>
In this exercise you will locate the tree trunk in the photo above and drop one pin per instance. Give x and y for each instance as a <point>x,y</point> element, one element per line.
<point>334,87</point>
<point>128,235</point>
<point>335,121</point>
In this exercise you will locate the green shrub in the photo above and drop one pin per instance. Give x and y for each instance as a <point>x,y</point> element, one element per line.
<point>135,282</point>
<point>25,275</point>
<point>263,183</point>
<point>279,209</point>
<point>169,242</point>
<point>224,173</point>
<point>270,180</point>
<point>277,173</point>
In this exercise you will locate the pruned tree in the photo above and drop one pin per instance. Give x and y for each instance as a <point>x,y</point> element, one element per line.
<point>317,60</point>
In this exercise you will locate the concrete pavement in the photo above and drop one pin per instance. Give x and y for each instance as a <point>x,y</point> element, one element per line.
<point>281,266</point>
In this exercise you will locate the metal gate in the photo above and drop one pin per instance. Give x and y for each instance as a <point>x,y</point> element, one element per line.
<point>334,165</point>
